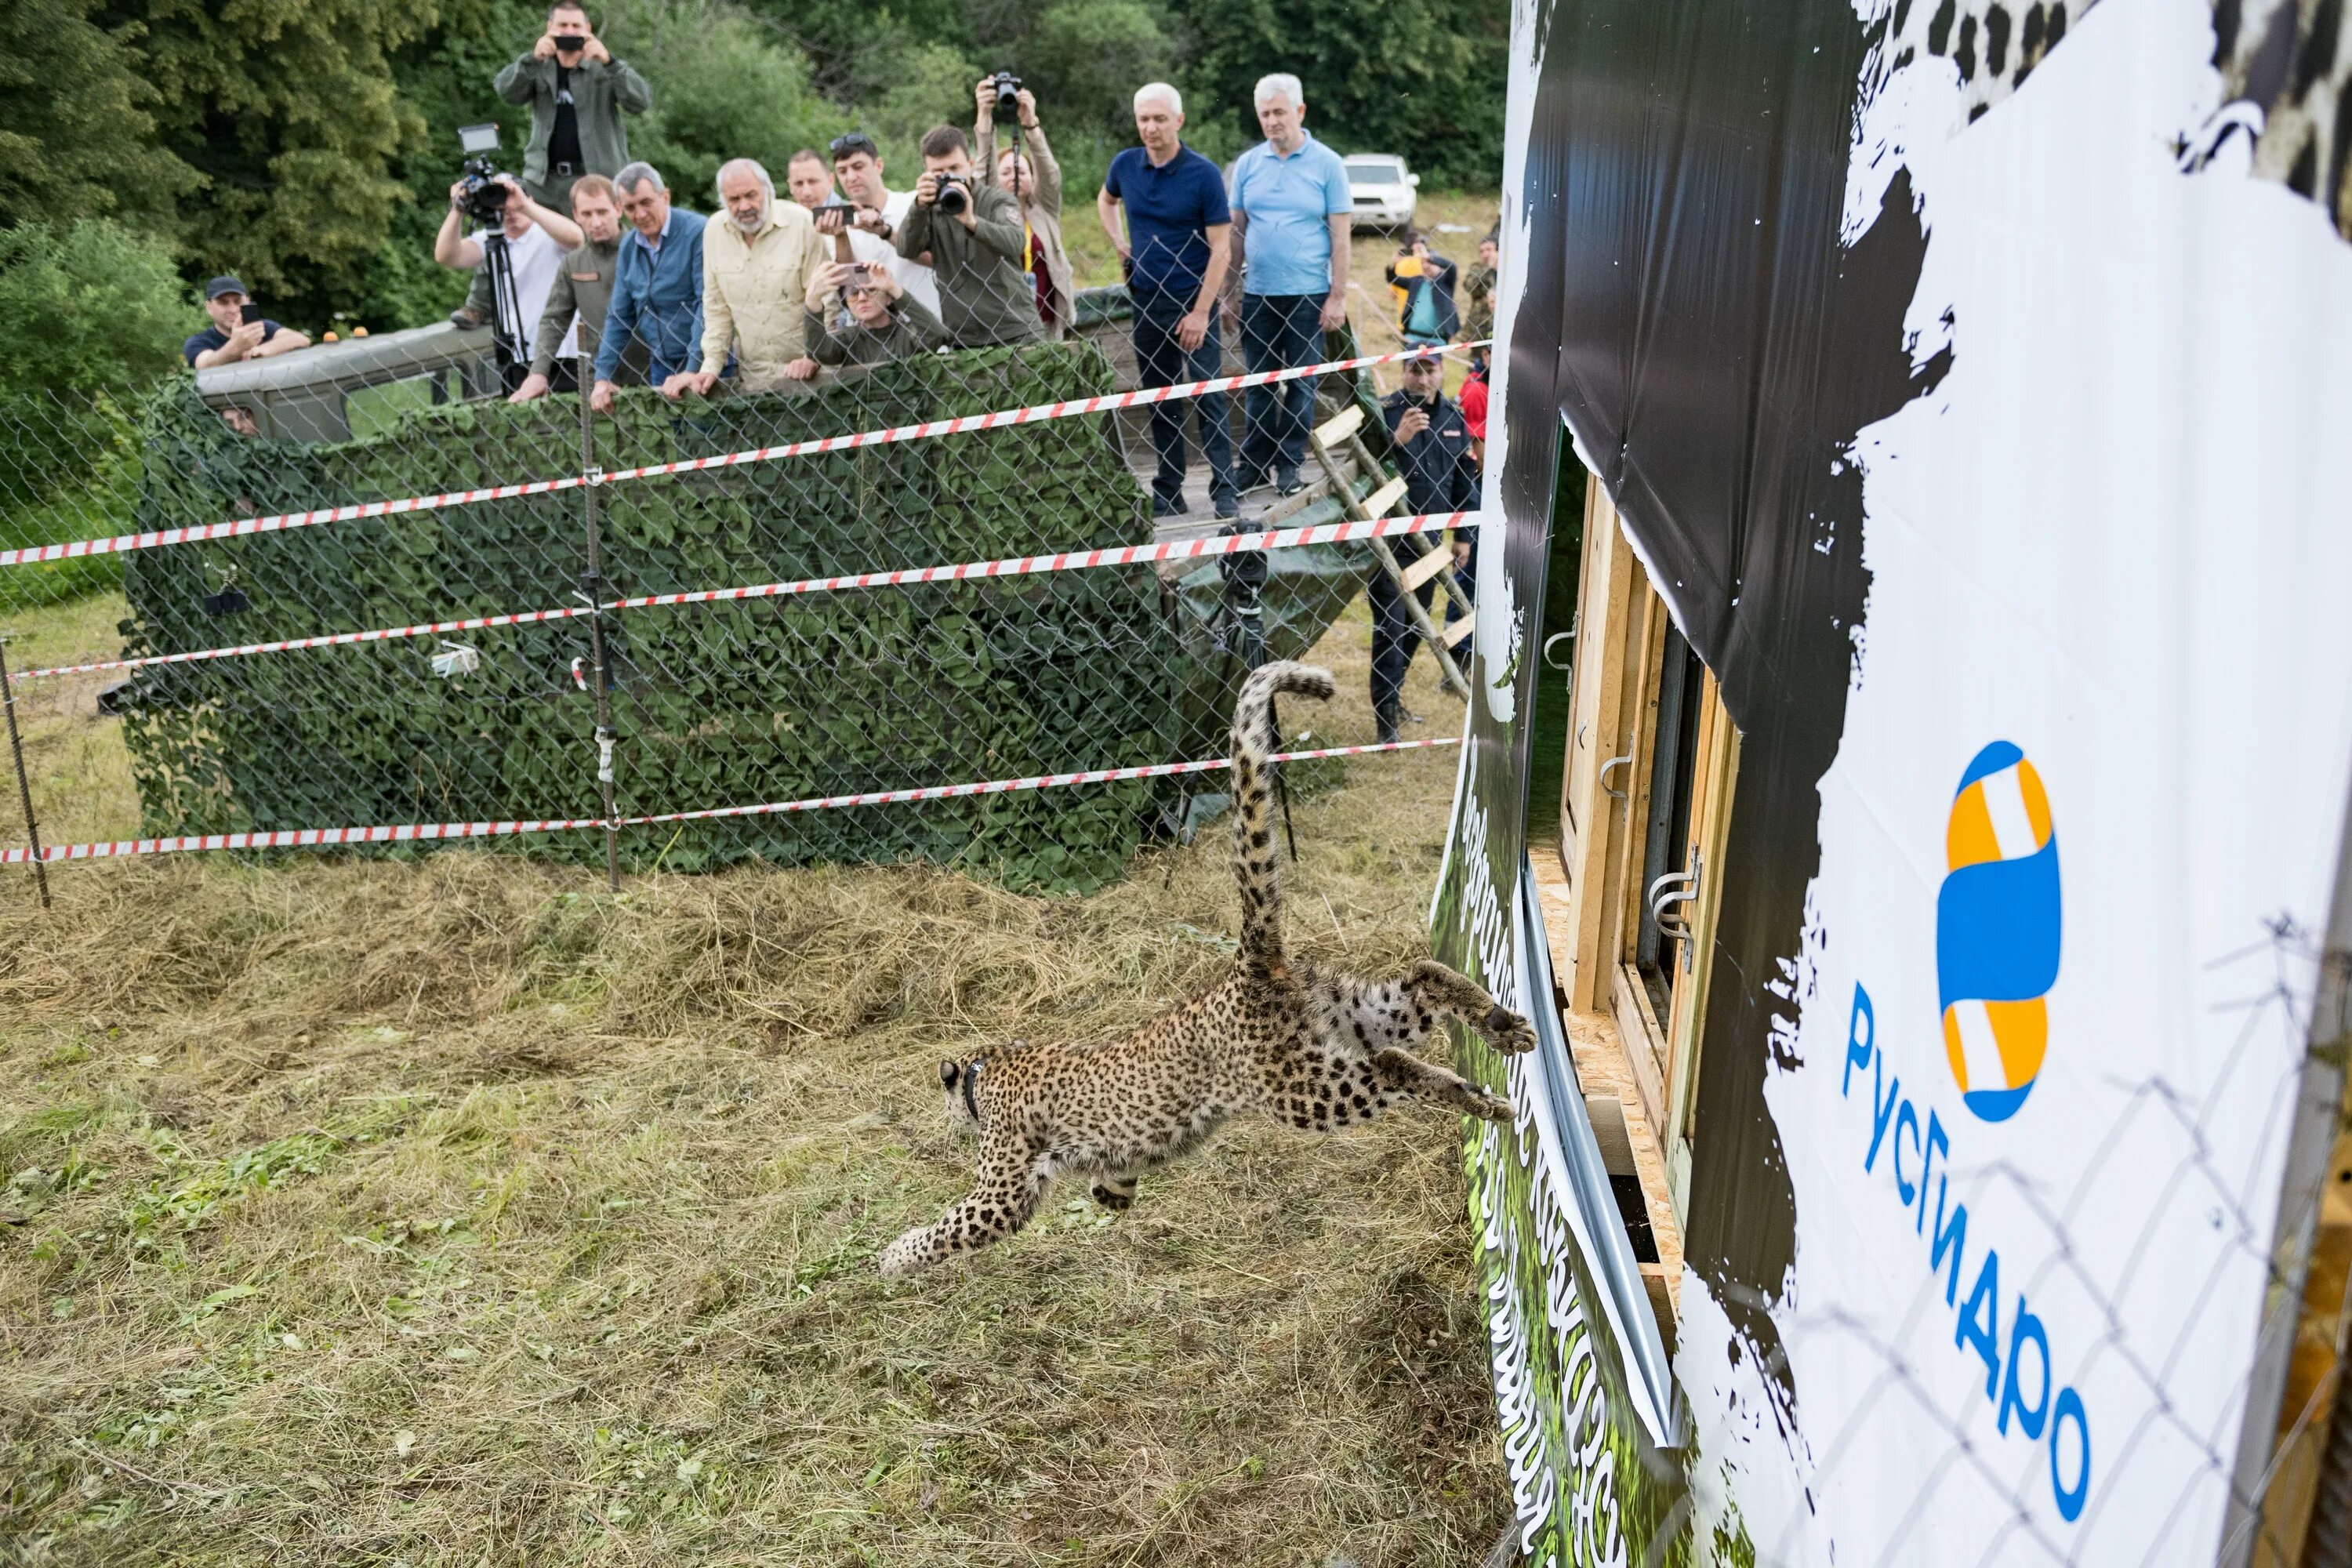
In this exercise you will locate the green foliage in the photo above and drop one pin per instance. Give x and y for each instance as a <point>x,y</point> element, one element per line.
<point>721,704</point>
<point>87,306</point>
<point>89,312</point>
<point>723,88</point>
<point>1422,78</point>
<point>75,138</point>
<point>288,109</point>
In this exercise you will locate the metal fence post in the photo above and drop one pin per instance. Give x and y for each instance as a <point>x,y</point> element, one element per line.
<point>24,780</point>
<point>592,582</point>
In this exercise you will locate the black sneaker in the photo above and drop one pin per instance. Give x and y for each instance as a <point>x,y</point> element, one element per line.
<point>1289,487</point>
<point>1386,718</point>
<point>469,317</point>
<point>1169,508</point>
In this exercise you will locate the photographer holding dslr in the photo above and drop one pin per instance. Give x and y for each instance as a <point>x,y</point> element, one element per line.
<point>977,244</point>
<point>1031,172</point>
<point>536,239</point>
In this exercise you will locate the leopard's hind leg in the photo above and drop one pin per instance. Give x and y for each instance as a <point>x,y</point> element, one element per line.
<point>1004,1193</point>
<point>1116,1193</point>
<point>1372,1015</point>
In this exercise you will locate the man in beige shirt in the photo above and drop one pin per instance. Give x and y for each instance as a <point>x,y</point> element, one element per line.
<point>756,268</point>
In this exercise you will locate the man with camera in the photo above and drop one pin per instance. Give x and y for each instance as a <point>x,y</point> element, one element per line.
<point>756,266</point>
<point>857,314</point>
<point>1292,212</point>
<point>863,226</point>
<point>657,286</point>
<point>582,293</point>
<point>1173,252</point>
<point>1031,172</point>
<point>232,337</point>
<point>977,243</point>
<point>536,239</point>
<point>1430,444</point>
<point>577,92</point>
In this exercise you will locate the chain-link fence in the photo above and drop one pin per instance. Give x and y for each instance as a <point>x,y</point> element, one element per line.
<point>158,552</point>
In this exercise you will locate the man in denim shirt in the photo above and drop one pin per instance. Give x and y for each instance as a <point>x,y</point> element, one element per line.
<point>657,286</point>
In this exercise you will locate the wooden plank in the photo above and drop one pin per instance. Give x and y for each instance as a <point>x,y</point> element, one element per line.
<point>1340,426</point>
<point>1458,630</point>
<point>1595,736</point>
<point>1428,566</point>
<point>1447,676</point>
<point>1637,1027</point>
<point>1380,503</point>
<point>1714,779</point>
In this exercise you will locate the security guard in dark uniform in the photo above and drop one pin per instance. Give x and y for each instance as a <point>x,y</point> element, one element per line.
<point>1430,444</point>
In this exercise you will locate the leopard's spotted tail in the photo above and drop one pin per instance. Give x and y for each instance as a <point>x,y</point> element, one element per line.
<point>1255,862</point>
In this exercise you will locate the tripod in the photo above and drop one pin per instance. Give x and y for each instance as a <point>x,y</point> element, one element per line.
<point>508,331</point>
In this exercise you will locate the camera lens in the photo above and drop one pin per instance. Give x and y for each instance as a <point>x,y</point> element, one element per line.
<point>952,199</point>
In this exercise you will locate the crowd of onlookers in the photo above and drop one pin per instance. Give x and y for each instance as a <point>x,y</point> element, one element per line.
<point>616,283</point>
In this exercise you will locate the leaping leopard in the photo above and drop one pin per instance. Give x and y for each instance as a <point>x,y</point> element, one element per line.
<point>1320,1051</point>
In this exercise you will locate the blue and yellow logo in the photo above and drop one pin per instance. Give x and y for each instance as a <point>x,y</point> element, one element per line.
<point>1997,922</point>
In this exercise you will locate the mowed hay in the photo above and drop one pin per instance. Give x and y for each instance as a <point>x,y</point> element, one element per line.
<point>454,1211</point>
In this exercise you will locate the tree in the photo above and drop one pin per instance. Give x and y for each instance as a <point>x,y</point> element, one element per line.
<point>288,111</point>
<point>87,307</point>
<point>723,88</point>
<point>75,138</point>
<point>1424,78</point>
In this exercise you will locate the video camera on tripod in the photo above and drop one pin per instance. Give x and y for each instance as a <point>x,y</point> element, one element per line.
<point>485,202</point>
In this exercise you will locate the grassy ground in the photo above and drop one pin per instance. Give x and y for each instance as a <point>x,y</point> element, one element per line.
<point>455,1211</point>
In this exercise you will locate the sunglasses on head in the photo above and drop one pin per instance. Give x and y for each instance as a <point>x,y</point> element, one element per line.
<point>855,141</point>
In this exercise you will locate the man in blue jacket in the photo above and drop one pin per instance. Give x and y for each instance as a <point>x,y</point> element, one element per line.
<point>657,286</point>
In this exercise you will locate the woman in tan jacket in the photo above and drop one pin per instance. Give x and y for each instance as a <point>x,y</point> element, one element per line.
<point>1035,177</point>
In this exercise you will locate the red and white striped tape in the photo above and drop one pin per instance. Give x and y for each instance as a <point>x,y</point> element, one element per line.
<point>1010,566</point>
<point>331,838</point>
<point>275,521</point>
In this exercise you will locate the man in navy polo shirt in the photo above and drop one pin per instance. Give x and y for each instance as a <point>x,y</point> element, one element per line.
<point>1292,208</point>
<point>1174,250</point>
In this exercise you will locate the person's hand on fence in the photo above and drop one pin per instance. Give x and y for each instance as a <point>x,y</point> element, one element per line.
<point>697,381</point>
<point>801,369</point>
<point>533,385</point>
<point>599,397</point>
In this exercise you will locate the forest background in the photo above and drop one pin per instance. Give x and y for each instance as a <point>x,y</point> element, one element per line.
<point>306,146</point>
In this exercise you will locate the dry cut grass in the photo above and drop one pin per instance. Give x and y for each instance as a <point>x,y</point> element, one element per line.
<point>456,1212</point>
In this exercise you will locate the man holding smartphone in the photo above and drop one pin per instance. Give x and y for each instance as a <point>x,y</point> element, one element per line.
<point>234,336</point>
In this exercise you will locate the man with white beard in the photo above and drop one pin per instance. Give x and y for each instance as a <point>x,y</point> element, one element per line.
<point>756,266</point>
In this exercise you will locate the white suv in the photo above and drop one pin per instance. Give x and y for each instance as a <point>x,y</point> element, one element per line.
<point>1382,188</point>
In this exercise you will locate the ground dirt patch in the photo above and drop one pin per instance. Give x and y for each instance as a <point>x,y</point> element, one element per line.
<point>454,1211</point>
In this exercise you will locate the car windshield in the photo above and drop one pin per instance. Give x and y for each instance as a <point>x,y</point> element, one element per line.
<point>1374,172</point>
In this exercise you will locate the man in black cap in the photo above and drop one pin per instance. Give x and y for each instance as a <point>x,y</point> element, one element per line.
<point>232,337</point>
<point>1431,448</point>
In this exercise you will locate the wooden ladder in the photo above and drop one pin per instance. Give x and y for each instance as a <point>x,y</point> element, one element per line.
<point>1345,430</point>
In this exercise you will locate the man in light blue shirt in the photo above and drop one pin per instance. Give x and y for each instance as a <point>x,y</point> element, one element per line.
<point>1290,206</point>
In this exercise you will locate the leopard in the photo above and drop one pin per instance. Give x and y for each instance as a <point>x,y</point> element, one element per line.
<point>1272,1037</point>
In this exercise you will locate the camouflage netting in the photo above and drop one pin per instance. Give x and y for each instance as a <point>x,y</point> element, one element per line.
<point>717,704</point>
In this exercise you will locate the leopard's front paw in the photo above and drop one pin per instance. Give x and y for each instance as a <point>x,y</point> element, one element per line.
<point>1508,1033</point>
<point>1115,1199</point>
<point>905,1256</point>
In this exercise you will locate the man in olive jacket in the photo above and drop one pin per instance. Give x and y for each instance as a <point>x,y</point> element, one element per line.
<point>976,242</point>
<point>577,92</point>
